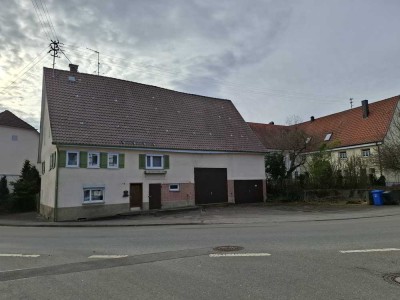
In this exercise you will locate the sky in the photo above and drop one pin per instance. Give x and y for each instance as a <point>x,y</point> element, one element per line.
<point>273,59</point>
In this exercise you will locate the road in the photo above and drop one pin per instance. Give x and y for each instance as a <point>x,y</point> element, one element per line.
<point>295,260</point>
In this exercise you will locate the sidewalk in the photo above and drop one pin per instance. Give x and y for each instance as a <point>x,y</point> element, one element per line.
<point>235,214</point>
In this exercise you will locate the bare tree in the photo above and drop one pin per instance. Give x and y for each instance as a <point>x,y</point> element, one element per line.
<point>388,156</point>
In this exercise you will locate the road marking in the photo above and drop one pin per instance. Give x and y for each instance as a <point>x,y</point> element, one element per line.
<point>370,250</point>
<point>18,255</point>
<point>239,255</point>
<point>108,256</point>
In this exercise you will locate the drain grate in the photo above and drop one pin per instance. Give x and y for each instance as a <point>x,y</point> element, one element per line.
<point>228,248</point>
<point>392,278</point>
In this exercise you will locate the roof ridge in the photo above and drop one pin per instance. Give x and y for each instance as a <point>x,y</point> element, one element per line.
<point>143,84</point>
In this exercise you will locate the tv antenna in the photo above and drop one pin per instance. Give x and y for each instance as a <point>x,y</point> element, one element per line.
<point>351,102</point>
<point>54,48</point>
<point>98,60</point>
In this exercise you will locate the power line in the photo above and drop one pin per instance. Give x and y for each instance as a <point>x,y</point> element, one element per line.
<point>48,18</point>
<point>40,19</point>
<point>19,77</point>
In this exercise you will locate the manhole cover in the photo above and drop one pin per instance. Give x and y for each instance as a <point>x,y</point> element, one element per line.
<point>392,278</point>
<point>228,248</point>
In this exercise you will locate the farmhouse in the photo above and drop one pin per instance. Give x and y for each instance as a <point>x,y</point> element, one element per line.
<point>109,146</point>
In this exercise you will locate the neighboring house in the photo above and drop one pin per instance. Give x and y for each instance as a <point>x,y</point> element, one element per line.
<point>18,142</point>
<point>355,132</point>
<point>109,146</point>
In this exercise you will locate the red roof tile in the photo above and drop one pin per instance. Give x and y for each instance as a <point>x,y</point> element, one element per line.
<point>103,111</point>
<point>348,127</point>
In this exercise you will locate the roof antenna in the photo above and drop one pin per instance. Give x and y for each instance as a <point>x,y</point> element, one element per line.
<point>98,60</point>
<point>351,103</point>
<point>54,48</point>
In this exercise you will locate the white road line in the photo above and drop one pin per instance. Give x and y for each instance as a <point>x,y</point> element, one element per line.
<point>370,250</point>
<point>108,256</point>
<point>18,255</point>
<point>239,255</point>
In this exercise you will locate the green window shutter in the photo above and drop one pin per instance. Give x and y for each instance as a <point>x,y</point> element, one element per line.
<point>166,161</point>
<point>62,158</point>
<point>83,159</point>
<point>142,161</point>
<point>103,160</point>
<point>121,160</point>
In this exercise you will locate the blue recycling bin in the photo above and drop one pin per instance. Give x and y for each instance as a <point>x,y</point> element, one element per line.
<point>377,196</point>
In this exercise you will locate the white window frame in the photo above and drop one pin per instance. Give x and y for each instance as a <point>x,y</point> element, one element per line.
<point>108,161</point>
<point>90,189</point>
<point>98,160</point>
<point>151,167</point>
<point>365,151</point>
<point>77,159</point>
<point>344,156</point>
<point>177,189</point>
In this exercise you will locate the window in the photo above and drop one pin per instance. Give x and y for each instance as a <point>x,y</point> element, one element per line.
<point>365,153</point>
<point>52,161</point>
<point>43,167</point>
<point>72,158</point>
<point>93,160</point>
<point>174,187</point>
<point>93,195</point>
<point>154,161</point>
<point>113,160</point>
<point>14,138</point>
<point>308,140</point>
<point>328,137</point>
<point>343,155</point>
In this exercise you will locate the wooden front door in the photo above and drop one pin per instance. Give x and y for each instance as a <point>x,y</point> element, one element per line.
<point>136,195</point>
<point>210,185</point>
<point>155,196</point>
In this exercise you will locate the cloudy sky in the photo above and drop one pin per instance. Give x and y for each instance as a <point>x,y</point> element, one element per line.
<point>273,59</point>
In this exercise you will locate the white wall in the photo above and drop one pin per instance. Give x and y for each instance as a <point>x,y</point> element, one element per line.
<point>14,153</point>
<point>48,179</point>
<point>72,180</point>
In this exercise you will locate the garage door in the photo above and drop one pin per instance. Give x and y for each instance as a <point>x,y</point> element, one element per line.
<point>210,185</point>
<point>248,191</point>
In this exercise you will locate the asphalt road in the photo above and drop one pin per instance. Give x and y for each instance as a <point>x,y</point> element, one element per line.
<point>295,260</point>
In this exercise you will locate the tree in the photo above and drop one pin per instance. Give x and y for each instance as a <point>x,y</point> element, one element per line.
<point>26,188</point>
<point>275,165</point>
<point>294,142</point>
<point>4,191</point>
<point>321,169</point>
<point>388,157</point>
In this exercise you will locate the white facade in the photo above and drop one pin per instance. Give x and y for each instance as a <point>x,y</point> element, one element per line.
<point>16,146</point>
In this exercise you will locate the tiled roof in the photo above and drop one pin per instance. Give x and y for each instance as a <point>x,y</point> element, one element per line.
<point>103,111</point>
<point>269,134</point>
<point>348,127</point>
<point>8,119</point>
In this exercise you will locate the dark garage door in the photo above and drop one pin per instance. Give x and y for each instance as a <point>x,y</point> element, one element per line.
<point>210,185</point>
<point>248,191</point>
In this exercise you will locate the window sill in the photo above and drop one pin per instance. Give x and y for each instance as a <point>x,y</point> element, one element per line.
<point>155,172</point>
<point>71,166</point>
<point>93,203</point>
<point>93,167</point>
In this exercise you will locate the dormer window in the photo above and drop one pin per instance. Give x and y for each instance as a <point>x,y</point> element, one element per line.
<point>328,137</point>
<point>308,140</point>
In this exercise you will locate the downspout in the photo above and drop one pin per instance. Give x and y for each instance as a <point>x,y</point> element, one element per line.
<point>56,188</point>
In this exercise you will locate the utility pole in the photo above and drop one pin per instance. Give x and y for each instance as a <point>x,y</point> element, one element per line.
<point>98,60</point>
<point>54,48</point>
<point>351,102</point>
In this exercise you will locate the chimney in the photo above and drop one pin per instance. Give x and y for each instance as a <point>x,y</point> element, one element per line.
<point>271,123</point>
<point>73,68</point>
<point>312,119</point>
<point>365,109</point>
